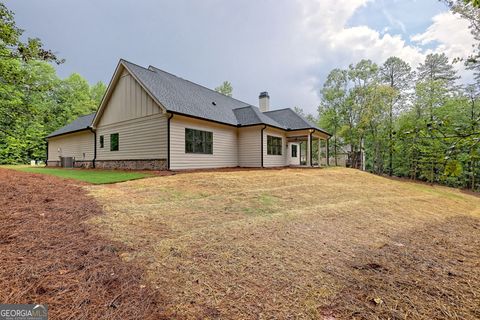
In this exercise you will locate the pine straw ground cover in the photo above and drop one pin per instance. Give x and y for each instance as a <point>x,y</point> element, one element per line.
<point>49,255</point>
<point>307,244</point>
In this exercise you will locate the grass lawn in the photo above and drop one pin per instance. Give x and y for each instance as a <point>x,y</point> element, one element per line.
<point>307,244</point>
<point>87,175</point>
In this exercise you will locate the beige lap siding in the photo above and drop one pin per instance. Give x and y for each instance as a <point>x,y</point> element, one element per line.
<point>271,160</point>
<point>78,145</point>
<point>141,138</point>
<point>225,147</point>
<point>249,146</point>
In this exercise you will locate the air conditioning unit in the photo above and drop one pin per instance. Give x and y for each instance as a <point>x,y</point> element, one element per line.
<point>66,162</point>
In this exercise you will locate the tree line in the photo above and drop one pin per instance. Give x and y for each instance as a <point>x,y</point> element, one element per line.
<point>34,100</point>
<point>417,123</point>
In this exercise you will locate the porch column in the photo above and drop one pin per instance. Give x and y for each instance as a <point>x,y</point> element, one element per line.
<point>309,151</point>
<point>328,153</point>
<point>319,152</point>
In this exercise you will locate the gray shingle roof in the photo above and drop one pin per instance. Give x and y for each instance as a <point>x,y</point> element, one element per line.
<point>181,96</point>
<point>81,123</point>
<point>250,115</point>
<point>185,97</point>
<point>291,120</point>
<point>188,98</point>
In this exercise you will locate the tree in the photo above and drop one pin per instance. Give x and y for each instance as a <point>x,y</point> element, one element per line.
<point>470,11</point>
<point>475,3</point>
<point>361,76</point>
<point>33,100</point>
<point>435,85</point>
<point>431,125</point>
<point>11,47</point>
<point>226,88</point>
<point>437,67</point>
<point>397,74</point>
<point>97,92</point>
<point>334,96</point>
<point>376,119</point>
<point>24,78</point>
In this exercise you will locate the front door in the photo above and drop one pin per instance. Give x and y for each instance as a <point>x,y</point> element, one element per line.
<point>294,154</point>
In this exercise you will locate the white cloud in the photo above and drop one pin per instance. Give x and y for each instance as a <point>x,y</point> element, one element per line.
<point>326,42</point>
<point>449,34</point>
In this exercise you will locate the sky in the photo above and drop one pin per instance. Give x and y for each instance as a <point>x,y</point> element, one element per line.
<point>285,47</point>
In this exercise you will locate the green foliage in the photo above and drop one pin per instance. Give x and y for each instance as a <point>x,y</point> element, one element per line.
<point>11,47</point>
<point>33,100</point>
<point>424,127</point>
<point>453,168</point>
<point>470,11</point>
<point>226,88</point>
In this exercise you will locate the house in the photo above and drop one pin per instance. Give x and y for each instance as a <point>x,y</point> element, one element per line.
<point>151,119</point>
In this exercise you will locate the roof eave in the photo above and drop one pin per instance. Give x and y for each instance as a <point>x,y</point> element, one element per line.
<point>69,132</point>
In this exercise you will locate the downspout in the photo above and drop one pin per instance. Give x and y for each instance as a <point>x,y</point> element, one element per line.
<point>94,146</point>
<point>168,141</point>
<point>261,145</point>
<point>46,159</point>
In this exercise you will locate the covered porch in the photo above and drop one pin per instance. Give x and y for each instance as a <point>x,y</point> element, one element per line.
<point>307,148</point>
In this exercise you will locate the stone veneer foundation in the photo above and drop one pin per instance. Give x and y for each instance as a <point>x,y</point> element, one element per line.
<point>158,164</point>
<point>83,164</point>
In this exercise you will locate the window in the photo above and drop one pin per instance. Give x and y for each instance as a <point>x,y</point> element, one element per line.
<point>294,150</point>
<point>197,141</point>
<point>102,141</point>
<point>114,142</point>
<point>274,146</point>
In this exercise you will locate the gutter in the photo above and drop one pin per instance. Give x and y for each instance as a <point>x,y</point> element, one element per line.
<point>94,146</point>
<point>69,132</point>
<point>168,140</point>
<point>261,145</point>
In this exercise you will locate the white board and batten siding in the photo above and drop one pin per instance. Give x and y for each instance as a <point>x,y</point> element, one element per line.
<point>128,101</point>
<point>140,123</point>
<point>78,145</point>
<point>249,146</point>
<point>274,160</point>
<point>225,145</point>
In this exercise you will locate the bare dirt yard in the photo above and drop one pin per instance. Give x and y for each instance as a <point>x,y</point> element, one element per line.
<point>292,244</point>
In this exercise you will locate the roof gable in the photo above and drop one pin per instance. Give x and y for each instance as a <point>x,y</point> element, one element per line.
<point>250,115</point>
<point>121,66</point>
<point>128,100</point>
